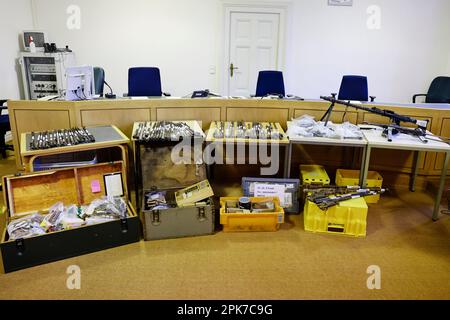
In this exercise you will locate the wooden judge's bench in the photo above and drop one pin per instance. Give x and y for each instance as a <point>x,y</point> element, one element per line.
<point>27,116</point>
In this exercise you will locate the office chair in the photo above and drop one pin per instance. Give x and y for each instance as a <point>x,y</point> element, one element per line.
<point>354,88</point>
<point>439,91</point>
<point>270,82</point>
<point>144,82</point>
<point>99,80</point>
<point>4,128</point>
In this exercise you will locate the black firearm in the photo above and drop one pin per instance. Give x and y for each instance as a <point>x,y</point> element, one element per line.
<point>334,190</point>
<point>327,201</point>
<point>391,129</point>
<point>394,117</point>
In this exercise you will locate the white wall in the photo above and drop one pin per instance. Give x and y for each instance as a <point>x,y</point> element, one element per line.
<point>400,59</point>
<point>184,38</point>
<point>178,36</point>
<point>15,17</point>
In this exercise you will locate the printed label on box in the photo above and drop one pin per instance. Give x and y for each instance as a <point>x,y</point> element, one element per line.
<point>280,218</point>
<point>271,190</point>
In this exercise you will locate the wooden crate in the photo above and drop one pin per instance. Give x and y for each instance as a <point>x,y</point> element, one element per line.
<point>37,192</point>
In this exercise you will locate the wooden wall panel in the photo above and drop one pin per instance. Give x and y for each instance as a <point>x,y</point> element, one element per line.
<point>121,118</point>
<point>41,120</point>
<point>445,132</point>
<point>336,116</point>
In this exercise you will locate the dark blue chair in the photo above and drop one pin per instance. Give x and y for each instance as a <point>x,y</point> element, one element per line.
<point>439,91</point>
<point>4,128</point>
<point>354,88</point>
<point>144,82</point>
<point>270,83</point>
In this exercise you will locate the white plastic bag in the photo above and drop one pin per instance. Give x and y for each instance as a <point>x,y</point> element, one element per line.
<point>26,227</point>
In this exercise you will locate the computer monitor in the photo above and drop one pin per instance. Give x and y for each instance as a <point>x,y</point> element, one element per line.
<point>39,39</point>
<point>80,83</point>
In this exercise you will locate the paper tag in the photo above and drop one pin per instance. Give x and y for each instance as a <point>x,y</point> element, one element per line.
<point>113,184</point>
<point>270,190</point>
<point>95,186</point>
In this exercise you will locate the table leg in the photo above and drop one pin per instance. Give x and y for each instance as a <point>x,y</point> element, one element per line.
<point>412,182</point>
<point>364,167</point>
<point>287,160</point>
<point>437,203</point>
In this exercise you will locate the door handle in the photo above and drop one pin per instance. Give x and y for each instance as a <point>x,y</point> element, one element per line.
<point>232,68</point>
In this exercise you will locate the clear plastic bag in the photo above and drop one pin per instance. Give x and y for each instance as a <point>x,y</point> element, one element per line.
<point>69,218</point>
<point>306,126</point>
<point>26,227</point>
<point>155,199</point>
<point>305,121</point>
<point>51,221</point>
<point>107,207</point>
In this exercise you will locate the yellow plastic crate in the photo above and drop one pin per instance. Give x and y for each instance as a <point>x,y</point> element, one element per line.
<point>351,178</point>
<point>245,222</point>
<point>313,174</point>
<point>348,218</point>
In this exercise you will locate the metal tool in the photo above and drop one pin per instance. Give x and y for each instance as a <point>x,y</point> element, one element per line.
<point>60,138</point>
<point>163,131</point>
<point>246,130</point>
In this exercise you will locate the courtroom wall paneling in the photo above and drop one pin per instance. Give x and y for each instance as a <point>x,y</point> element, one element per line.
<point>444,132</point>
<point>336,116</point>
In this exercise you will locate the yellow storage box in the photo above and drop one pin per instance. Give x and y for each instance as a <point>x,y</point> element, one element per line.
<point>313,174</point>
<point>245,222</point>
<point>348,217</point>
<point>351,178</point>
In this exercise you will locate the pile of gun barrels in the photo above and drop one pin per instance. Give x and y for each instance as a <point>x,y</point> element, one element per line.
<point>163,131</point>
<point>247,130</point>
<point>60,138</point>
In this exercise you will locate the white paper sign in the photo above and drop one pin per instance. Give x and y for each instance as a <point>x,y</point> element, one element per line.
<point>270,190</point>
<point>113,184</point>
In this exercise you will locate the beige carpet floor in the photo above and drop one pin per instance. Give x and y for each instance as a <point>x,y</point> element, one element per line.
<point>412,251</point>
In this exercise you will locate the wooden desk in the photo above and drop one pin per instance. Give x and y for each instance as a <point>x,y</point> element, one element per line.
<point>105,137</point>
<point>375,140</point>
<point>27,116</point>
<point>354,143</point>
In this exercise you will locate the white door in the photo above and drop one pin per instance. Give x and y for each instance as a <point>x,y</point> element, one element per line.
<point>253,47</point>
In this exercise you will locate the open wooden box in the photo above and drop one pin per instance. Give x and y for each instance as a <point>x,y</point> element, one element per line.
<point>37,192</point>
